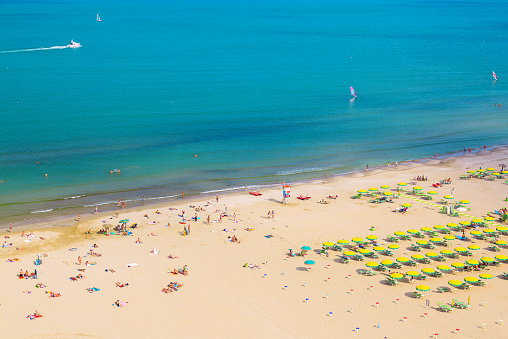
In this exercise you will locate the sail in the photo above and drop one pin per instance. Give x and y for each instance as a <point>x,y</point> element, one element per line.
<point>353,93</point>
<point>494,75</point>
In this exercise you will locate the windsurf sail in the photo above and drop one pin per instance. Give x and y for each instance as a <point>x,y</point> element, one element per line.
<point>353,93</point>
<point>493,74</point>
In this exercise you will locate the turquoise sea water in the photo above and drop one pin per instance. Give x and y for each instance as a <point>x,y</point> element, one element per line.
<point>259,90</point>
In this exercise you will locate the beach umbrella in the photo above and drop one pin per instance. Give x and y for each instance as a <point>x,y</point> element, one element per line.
<point>486,276</point>
<point>309,262</point>
<point>460,249</point>
<point>343,242</point>
<point>490,169</point>
<point>124,221</point>
<point>426,229</point>
<point>306,248</point>
<point>496,173</point>
<point>476,233</point>
<point>379,248</point>
<point>458,265</point>
<point>439,227</point>
<point>487,260</point>
<point>464,202</point>
<point>417,188</point>
<point>412,273</point>
<point>443,267</point>
<point>474,247</point>
<point>402,259</point>
<point>412,231</point>
<point>362,191</point>
<point>423,288</point>
<point>489,231</point>
<point>476,220</point>
<point>472,262</point>
<point>396,275</point>
<point>428,270</point>
<point>373,189</point>
<point>388,194</point>
<point>357,239</point>
<point>471,280</point>
<point>481,170</point>
<point>500,243</point>
<point>489,218</point>
<point>422,242</point>
<point>387,262</point>
<point>393,246</point>
<point>432,254</point>
<point>471,171</point>
<point>349,253</point>
<point>399,233</point>
<point>417,257</point>
<point>502,228</point>
<point>465,223</point>
<point>452,225</point>
<point>406,204</point>
<point>448,197</point>
<point>385,187</point>
<point>446,252</point>
<point>431,192</point>
<point>328,244</point>
<point>501,257</point>
<point>364,251</point>
<point>449,237</point>
<point>436,239</point>
<point>504,172</point>
<point>371,237</point>
<point>455,282</point>
<point>402,184</point>
<point>372,264</point>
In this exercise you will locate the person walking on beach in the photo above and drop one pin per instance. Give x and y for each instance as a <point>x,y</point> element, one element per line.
<point>116,213</point>
<point>188,229</point>
<point>273,214</point>
<point>195,217</point>
<point>79,217</point>
<point>436,155</point>
<point>143,201</point>
<point>208,219</point>
<point>234,216</point>
<point>79,260</point>
<point>217,198</point>
<point>451,192</point>
<point>96,210</point>
<point>10,228</point>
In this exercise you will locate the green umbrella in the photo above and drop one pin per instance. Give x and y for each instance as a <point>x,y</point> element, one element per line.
<point>486,276</point>
<point>455,282</point>
<point>471,280</point>
<point>423,288</point>
<point>372,264</point>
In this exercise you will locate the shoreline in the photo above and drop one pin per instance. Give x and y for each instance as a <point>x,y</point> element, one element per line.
<point>69,220</point>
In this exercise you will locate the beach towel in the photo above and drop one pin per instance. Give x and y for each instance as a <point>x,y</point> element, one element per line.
<point>33,316</point>
<point>269,236</point>
<point>131,265</point>
<point>154,252</point>
<point>73,249</point>
<point>27,240</point>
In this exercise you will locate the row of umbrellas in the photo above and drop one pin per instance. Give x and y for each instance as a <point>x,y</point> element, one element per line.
<point>453,282</point>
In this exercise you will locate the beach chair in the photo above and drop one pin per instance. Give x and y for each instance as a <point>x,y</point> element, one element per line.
<point>429,246</point>
<point>392,238</point>
<point>337,247</point>
<point>440,258</point>
<point>358,196</point>
<point>467,254</point>
<point>419,235</point>
<point>446,231</point>
<point>416,248</point>
<point>436,274</point>
<point>480,283</point>
<point>464,286</point>
<point>480,236</point>
<point>387,252</point>
<point>382,268</point>
<point>358,257</point>
<point>405,237</point>
<point>411,263</point>
<point>460,304</point>
<point>392,282</point>
<point>417,295</point>
<point>345,260</point>
<point>445,308</point>
<point>396,266</point>
<point>505,275</point>
<point>322,252</point>
<point>493,248</point>
<point>372,255</point>
<point>423,277</point>
<point>443,289</point>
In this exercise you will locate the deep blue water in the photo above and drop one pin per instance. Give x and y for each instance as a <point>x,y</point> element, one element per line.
<point>259,90</point>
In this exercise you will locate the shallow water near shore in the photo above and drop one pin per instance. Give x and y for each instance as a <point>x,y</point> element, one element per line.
<point>260,93</point>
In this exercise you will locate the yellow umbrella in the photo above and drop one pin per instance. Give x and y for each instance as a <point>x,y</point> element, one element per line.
<point>422,242</point>
<point>357,239</point>
<point>460,249</point>
<point>474,247</point>
<point>371,237</point>
<point>471,171</point>
<point>396,276</point>
<point>501,257</point>
<point>476,220</point>
<point>490,169</point>
<point>464,202</point>
<point>364,251</point>
<point>373,189</point>
<point>452,224</point>
<point>487,259</point>
<point>502,228</point>
<point>449,197</point>
<point>349,253</point>
<point>489,218</point>
<point>423,288</point>
<point>372,264</point>
<point>428,270</point>
<point>343,242</point>
<point>446,252</point>
<point>385,187</point>
<point>426,229</point>
<point>432,192</point>
<point>465,223</point>
<point>471,280</point>
<point>362,191</point>
<point>455,282</point>
<point>436,239</point>
<point>412,273</point>
<point>402,184</point>
<point>489,231</point>
<point>432,254</point>
<point>504,172</point>
<point>496,173</point>
<point>387,262</point>
<point>402,259</point>
<point>388,193</point>
<point>439,227</point>
<point>486,276</point>
<point>443,267</point>
<point>417,257</point>
<point>458,265</point>
<point>472,262</point>
<point>500,243</point>
<point>476,233</point>
<point>328,244</point>
<point>406,204</point>
<point>417,188</point>
<point>379,248</point>
<point>399,233</point>
<point>412,231</point>
<point>481,170</point>
<point>393,246</point>
<point>449,237</point>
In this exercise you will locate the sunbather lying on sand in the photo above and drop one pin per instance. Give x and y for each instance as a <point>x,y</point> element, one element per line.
<point>53,294</point>
<point>121,284</point>
<point>34,316</point>
<point>172,257</point>
<point>119,303</point>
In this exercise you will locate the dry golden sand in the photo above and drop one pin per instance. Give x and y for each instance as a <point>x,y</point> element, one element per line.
<point>221,298</point>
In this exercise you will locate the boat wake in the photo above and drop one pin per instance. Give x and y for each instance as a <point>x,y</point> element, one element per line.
<point>33,49</point>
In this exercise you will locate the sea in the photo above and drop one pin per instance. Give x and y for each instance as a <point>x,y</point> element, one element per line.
<point>204,97</point>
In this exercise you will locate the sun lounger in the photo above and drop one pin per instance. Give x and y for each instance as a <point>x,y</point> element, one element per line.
<point>464,286</point>
<point>460,304</point>
<point>436,274</point>
<point>337,247</point>
<point>358,196</point>
<point>411,263</point>
<point>358,257</point>
<point>345,261</point>
<point>381,268</point>
<point>480,283</point>
<point>392,239</point>
<point>417,295</point>
<point>396,266</point>
<point>445,308</point>
<point>443,289</point>
<point>440,258</point>
<point>416,248</point>
<point>493,248</point>
<point>387,252</point>
<point>392,282</point>
<point>505,275</point>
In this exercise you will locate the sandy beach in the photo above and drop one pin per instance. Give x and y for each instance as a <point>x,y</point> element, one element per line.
<point>252,287</point>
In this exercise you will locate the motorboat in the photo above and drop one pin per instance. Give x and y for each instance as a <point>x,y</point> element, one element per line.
<point>74,44</point>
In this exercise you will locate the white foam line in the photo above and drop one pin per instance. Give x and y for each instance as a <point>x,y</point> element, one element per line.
<point>33,49</point>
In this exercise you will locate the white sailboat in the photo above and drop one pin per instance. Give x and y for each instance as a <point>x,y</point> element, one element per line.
<point>98,17</point>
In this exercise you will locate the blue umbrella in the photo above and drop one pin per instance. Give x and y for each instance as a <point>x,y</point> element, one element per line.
<point>124,221</point>
<point>309,262</point>
<point>306,248</point>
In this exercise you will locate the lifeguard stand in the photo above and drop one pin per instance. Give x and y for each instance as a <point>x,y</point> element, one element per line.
<point>286,193</point>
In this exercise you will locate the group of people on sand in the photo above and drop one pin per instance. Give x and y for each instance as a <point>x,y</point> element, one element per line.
<point>53,294</point>
<point>26,275</point>
<point>271,214</point>
<point>183,271</point>
<point>421,178</point>
<point>233,239</point>
<point>172,287</point>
